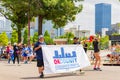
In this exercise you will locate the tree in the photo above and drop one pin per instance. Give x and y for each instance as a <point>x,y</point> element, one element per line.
<point>31,39</point>
<point>16,11</point>
<point>118,24</point>
<point>14,37</point>
<point>104,42</point>
<point>69,36</point>
<point>60,12</point>
<point>3,39</point>
<point>25,36</point>
<point>46,34</point>
<point>35,37</point>
<point>48,39</point>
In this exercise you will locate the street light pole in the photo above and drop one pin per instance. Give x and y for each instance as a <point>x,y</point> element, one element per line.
<point>78,31</point>
<point>83,34</point>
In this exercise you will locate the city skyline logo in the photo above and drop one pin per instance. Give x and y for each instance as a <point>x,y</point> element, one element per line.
<point>65,60</point>
<point>63,54</point>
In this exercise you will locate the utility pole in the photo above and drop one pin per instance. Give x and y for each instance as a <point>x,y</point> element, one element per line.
<point>78,31</point>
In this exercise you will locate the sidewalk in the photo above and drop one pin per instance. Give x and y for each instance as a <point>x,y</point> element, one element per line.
<point>29,72</point>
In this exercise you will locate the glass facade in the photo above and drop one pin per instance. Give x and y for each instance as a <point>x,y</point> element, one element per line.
<point>102,17</point>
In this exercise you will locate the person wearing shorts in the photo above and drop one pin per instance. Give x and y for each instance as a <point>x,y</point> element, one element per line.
<point>96,55</point>
<point>39,55</point>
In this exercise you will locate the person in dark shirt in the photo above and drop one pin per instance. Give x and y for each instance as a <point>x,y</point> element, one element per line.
<point>76,42</point>
<point>16,52</point>
<point>96,55</point>
<point>39,55</point>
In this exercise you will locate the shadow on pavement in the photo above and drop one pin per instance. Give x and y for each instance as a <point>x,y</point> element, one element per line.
<point>61,75</point>
<point>12,65</point>
<point>53,76</point>
<point>89,70</point>
<point>30,78</point>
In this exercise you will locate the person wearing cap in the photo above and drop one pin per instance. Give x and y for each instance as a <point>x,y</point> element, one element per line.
<point>39,55</point>
<point>76,42</point>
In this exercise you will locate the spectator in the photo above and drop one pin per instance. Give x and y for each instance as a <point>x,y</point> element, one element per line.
<point>11,55</point>
<point>113,54</point>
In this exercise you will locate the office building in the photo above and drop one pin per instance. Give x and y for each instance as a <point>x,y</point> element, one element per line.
<point>5,25</point>
<point>102,17</point>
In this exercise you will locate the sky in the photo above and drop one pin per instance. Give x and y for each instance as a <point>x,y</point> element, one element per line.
<point>86,18</point>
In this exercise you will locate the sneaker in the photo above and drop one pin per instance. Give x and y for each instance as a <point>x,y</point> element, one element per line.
<point>99,69</point>
<point>42,75</point>
<point>82,72</point>
<point>25,62</point>
<point>95,69</point>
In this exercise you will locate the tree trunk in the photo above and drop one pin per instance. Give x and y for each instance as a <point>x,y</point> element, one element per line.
<point>40,19</point>
<point>19,35</point>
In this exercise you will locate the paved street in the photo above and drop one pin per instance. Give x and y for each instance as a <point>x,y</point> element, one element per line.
<point>29,72</point>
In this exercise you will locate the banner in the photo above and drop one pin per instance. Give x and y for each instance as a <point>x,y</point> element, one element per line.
<point>64,58</point>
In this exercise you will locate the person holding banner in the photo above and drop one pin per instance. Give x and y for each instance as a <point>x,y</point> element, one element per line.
<point>96,54</point>
<point>39,55</point>
<point>75,41</point>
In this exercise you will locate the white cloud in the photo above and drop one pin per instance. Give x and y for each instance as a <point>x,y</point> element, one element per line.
<point>87,17</point>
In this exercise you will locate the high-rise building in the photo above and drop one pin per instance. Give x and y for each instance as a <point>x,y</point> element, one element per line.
<point>5,25</point>
<point>102,17</point>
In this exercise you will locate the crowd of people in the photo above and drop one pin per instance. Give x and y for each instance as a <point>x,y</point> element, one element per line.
<point>115,53</point>
<point>26,53</point>
<point>21,52</point>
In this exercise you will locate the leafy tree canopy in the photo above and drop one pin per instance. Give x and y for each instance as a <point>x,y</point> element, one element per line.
<point>3,39</point>
<point>17,12</point>
<point>14,37</point>
<point>25,36</point>
<point>60,12</point>
<point>35,37</point>
<point>46,34</point>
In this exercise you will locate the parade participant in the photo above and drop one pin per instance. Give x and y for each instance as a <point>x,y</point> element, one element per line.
<point>30,53</point>
<point>24,53</point>
<point>39,55</point>
<point>16,52</point>
<point>75,41</point>
<point>11,55</point>
<point>8,51</point>
<point>96,54</point>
